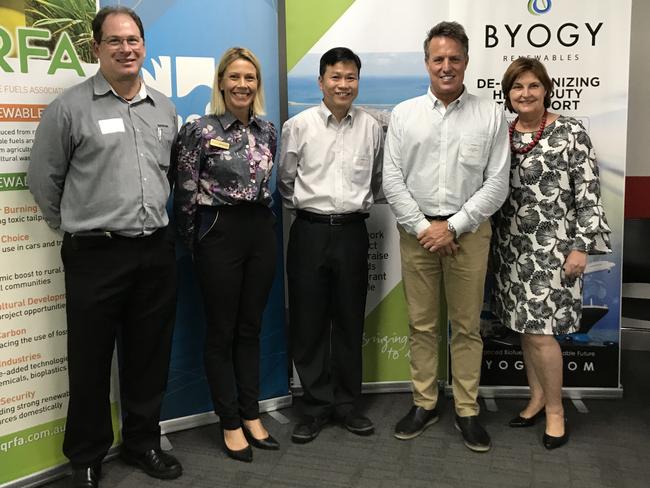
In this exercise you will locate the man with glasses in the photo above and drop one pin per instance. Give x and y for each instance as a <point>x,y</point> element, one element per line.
<point>99,172</point>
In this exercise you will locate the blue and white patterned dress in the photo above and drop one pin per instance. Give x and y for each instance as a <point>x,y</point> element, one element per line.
<point>554,207</point>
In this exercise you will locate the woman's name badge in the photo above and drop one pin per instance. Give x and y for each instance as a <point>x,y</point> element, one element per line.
<point>220,144</point>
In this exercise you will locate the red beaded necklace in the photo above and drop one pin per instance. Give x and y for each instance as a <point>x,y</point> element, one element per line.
<point>528,147</point>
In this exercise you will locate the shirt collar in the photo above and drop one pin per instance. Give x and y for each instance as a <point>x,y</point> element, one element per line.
<point>227,119</point>
<point>101,87</point>
<point>325,113</point>
<point>459,101</point>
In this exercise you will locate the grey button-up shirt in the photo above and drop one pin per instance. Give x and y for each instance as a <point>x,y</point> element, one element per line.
<point>100,163</point>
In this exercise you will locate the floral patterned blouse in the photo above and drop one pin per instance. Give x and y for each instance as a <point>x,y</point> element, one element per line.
<point>219,161</point>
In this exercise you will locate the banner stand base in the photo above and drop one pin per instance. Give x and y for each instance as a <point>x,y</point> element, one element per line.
<point>373,387</point>
<point>386,387</point>
<point>523,392</point>
<point>199,419</point>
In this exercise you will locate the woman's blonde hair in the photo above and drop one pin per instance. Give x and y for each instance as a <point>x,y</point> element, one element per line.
<point>218,103</point>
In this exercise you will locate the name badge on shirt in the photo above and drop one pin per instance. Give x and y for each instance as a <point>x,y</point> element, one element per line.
<point>111,126</point>
<point>220,144</point>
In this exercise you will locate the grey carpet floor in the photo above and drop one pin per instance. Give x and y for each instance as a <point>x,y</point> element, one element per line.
<point>609,447</point>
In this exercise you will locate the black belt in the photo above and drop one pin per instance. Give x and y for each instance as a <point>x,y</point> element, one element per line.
<point>438,217</point>
<point>108,234</point>
<point>332,219</point>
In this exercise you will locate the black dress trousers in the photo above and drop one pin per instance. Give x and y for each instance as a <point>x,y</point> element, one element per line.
<point>125,289</point>
<point>235,263</point>
<point>327,269</point>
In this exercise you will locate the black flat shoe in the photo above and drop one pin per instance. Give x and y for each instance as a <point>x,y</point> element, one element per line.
<point>269,443</point>
<point>551,442</point>
<point>474,435</point>
<point>244,455</point>
<point>520,421</point>
<point>415,422</point>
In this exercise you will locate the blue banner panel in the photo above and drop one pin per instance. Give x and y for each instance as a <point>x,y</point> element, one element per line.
<point>184,41</point>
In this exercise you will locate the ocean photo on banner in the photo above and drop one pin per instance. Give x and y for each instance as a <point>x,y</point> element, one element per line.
<point>386,79</point>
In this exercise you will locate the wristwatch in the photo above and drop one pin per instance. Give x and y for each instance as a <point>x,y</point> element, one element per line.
<point>452,229</point>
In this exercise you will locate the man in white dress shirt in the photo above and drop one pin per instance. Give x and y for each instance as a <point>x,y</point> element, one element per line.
<point>446,170</point>
<point>329,171</point>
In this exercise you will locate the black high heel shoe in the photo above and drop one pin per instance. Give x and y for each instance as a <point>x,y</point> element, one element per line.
<point>551,442</point>
<point>269,443</point>
<point>520,421</point>
<point>245,455</point>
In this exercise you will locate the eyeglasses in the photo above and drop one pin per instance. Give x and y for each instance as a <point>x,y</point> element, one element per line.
<point>116,42</point>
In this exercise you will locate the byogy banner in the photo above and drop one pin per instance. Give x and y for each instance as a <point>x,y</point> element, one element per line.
<point>570,37</point>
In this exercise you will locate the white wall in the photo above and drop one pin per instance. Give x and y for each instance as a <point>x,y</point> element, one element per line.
<point>638,153</point>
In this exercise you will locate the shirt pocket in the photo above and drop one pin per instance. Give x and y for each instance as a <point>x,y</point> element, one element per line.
<point>164,137</point>
<point>360,170</point>
<point>471,152</point>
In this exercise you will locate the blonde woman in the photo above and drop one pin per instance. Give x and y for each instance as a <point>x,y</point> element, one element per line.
<point>222,202</point>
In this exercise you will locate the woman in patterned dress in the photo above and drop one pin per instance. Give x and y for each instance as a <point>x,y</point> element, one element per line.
<point>553,218</point>
<point>222,200</point>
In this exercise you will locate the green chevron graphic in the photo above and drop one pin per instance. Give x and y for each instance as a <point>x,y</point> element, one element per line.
<point>307,21</point>
<point>386,346</point>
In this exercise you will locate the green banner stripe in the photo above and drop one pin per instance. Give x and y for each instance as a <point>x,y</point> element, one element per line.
<point>307,21</point>
<point>386,334</point>
<point>28,451</point>
<point>31,450</point>
<point>13,181</point>
<point>385,353</point>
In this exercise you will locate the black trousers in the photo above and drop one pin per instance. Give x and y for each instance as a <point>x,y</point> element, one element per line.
<point>327,269</point>
<point>235,264</point>
<point>125,289</point>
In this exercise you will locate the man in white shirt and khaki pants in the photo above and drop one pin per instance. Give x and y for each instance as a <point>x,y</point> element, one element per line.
<point>329,171</point>
<point>446,170</point>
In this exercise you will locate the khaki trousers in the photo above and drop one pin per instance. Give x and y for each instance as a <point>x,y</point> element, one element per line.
<point>463,279</point>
